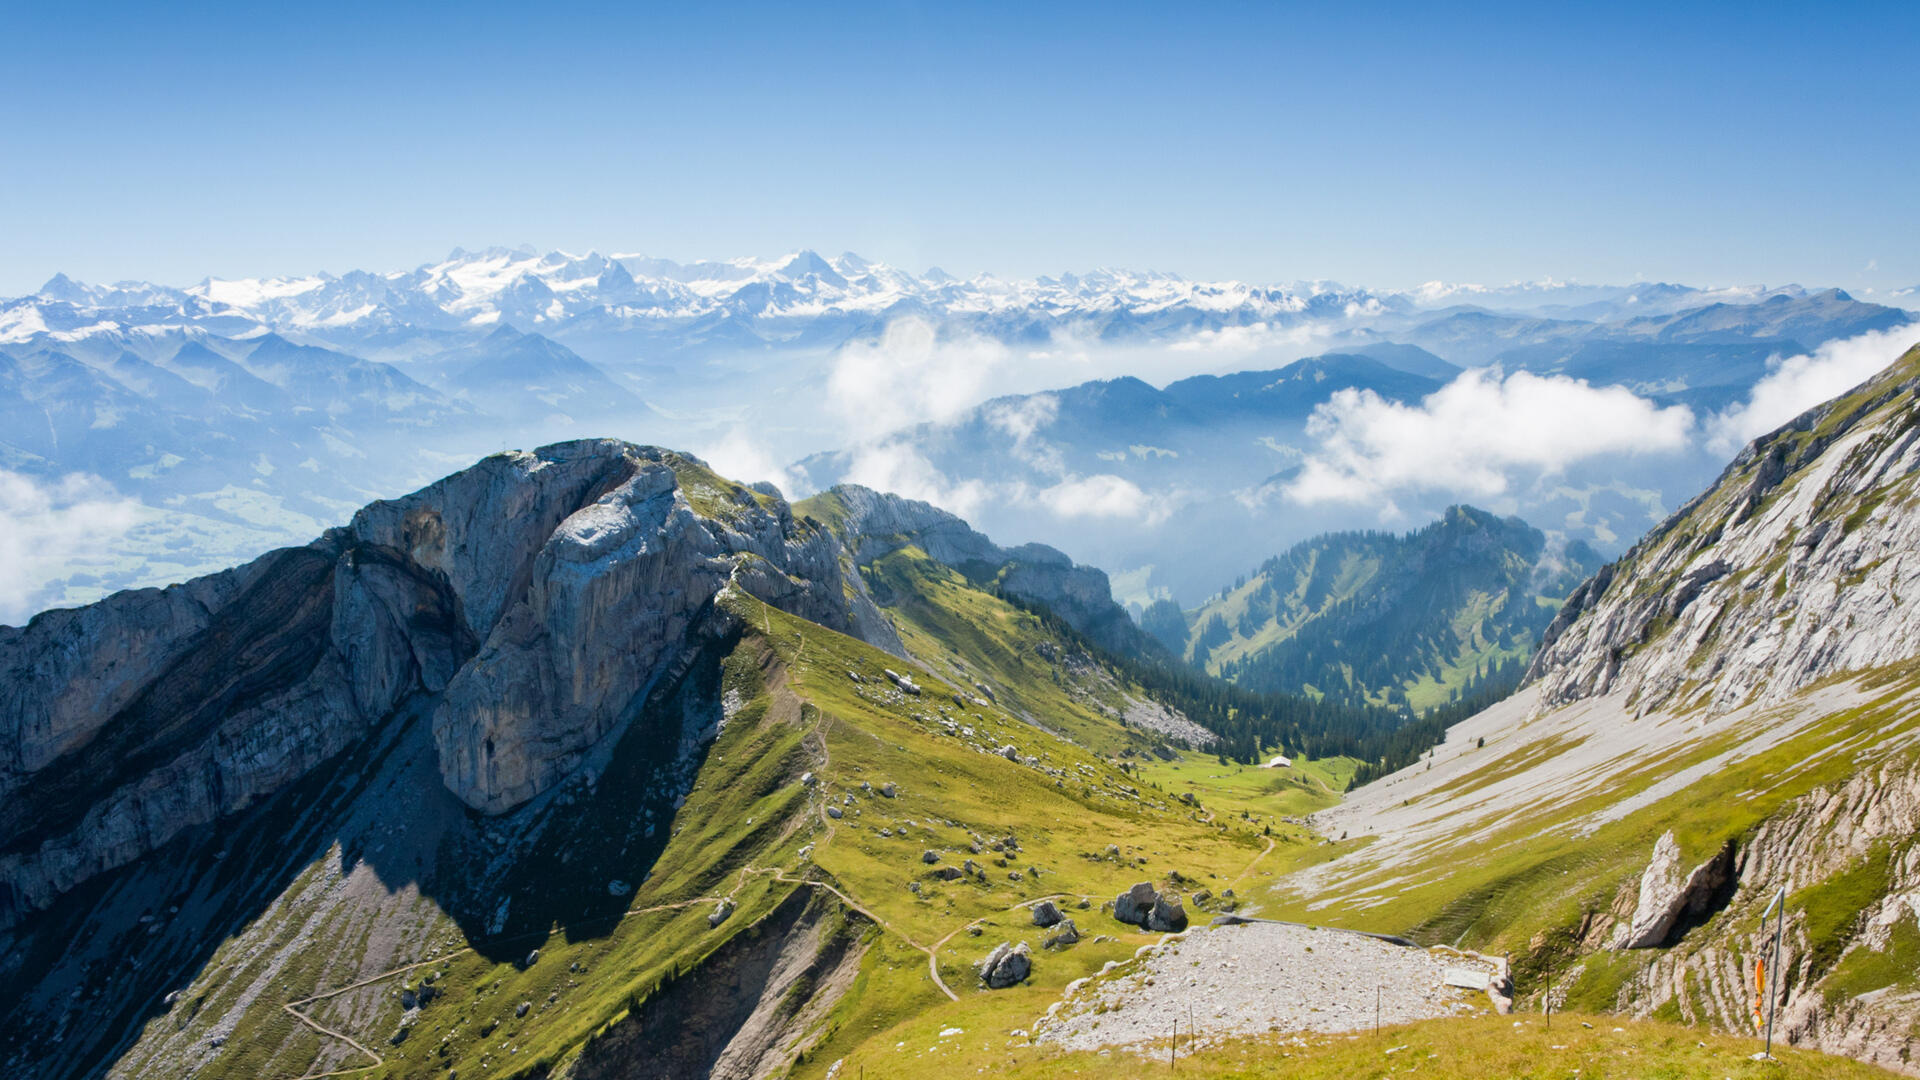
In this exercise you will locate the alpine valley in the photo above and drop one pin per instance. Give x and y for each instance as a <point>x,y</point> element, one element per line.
<point>381,747</point>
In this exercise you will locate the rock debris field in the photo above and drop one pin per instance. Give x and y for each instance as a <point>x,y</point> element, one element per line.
<point>1260,977</point>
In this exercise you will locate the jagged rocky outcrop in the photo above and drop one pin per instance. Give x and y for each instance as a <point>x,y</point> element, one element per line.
<point>1802,561</point>
<point>875,524</point>
<point>534,598</point>
<point>1850,861</point>
<point>1666,894</point>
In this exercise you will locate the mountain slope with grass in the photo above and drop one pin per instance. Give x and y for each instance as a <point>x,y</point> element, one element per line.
<point>1420,619</point>
<point>587,761</point>
<point>1726,715</point>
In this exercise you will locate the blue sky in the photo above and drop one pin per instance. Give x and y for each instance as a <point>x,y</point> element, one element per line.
<point>1382,145</point>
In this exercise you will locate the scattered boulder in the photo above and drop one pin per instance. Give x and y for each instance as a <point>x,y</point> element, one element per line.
<point>1136,904</point>
<point>720,913</point>
<point>521,1009</point>
<point>616,887</point>
<point>1064,934</point>
<point>532,959</point>
<point>1046,913</point>
<point>888,791</point>
<point>1010,752</point>
<point>1006,965</point>
<point>971,867</point>
<point>835,813</point>
<point>1168,916</point>
<point>947,873</point>
<point>929,856</point>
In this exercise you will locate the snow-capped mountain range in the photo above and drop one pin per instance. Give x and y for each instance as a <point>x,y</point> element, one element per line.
<point>240,413</point>
<point>777,299</point>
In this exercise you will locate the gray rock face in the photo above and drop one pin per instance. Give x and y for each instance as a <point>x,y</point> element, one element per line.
<point>1006,965</point>
<point>1168,915</point>
<point>1064,934</point>
<point>1667,895</point>
<point>1046,913</point>
<point>1801,562</point>
<point>531,601</point>
<point>1136,904</point>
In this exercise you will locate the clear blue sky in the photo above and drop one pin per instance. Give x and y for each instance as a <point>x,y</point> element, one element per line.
<point>1386,146</point>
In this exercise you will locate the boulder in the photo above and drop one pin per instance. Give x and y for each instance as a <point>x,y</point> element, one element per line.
<point>835,812</point>
<point>1063,935</point>
<point>947,873</point>
<point>1167,916</point>
<point>720,914</point>
<point>1006,965</point>
<point>929,856</point>
<point>1046,913</point>
<point>1136,904</point>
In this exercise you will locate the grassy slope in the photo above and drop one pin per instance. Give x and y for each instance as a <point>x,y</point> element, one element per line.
<point>1525,884</point>
<point>741,833</point>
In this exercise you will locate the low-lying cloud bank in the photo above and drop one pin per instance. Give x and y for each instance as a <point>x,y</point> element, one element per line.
<point>51,529</point>
<point>1484,435</point>
<point>1798,383</point>
<point>1472,436</point>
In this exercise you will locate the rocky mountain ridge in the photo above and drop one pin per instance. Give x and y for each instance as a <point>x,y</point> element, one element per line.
<point>874,524</point>
<point>1798,564</point>
<point>533,598</point>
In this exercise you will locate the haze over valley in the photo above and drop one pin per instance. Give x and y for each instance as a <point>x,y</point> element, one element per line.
<point>1027,542</point>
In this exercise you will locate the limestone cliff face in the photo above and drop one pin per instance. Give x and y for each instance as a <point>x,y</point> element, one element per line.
<point>534,597</point>
<point>875,524</point>
<point>1802,561</point>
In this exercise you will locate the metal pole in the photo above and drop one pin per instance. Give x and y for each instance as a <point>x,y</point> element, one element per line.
<point>1773,980</point>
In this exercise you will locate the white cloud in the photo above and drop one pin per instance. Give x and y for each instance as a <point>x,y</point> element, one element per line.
<point>49,530</point>
<point>1473,435</point>
<point>738,455</point>
<point>1102,495</point>
<point>910,376</point>
<point>1798,383</point>
<point>895,466</point>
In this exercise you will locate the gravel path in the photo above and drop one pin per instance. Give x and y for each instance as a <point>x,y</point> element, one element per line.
<point>1259,977</point>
